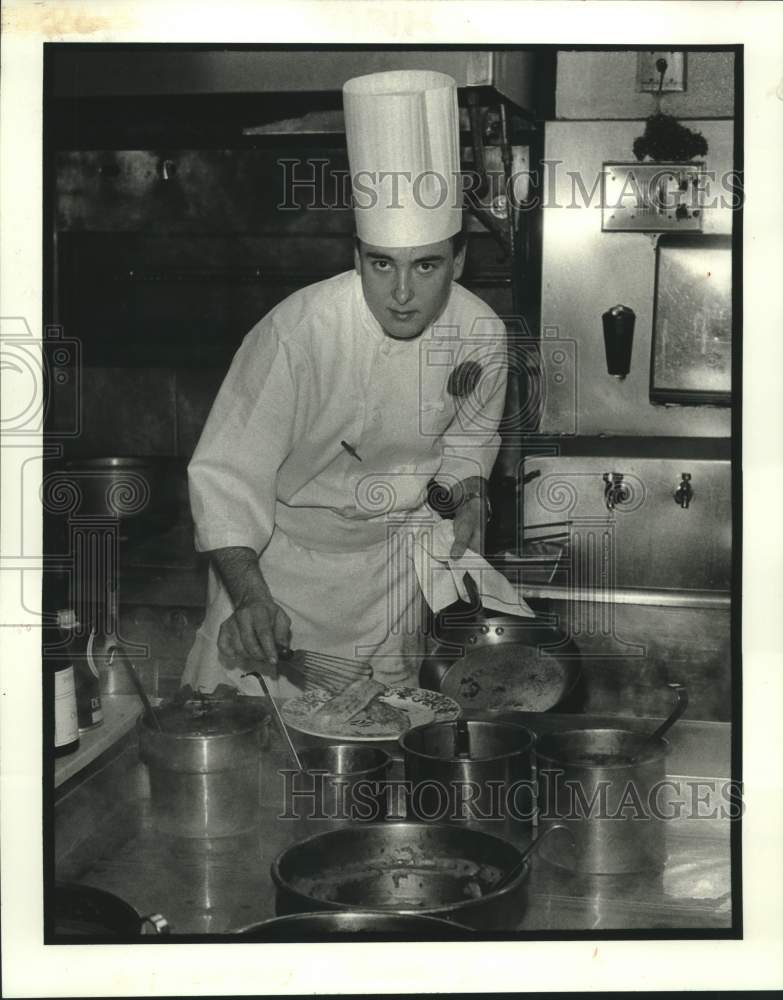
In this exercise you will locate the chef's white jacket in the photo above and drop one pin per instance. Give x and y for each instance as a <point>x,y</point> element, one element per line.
<point>333,530</point>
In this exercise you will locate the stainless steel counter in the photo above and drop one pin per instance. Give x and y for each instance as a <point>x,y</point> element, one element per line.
<point>214,887</point>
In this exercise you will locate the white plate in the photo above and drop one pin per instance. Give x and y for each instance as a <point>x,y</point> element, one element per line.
<point>422,707</point>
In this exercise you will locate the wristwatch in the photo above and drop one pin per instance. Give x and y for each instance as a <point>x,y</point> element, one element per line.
<point>481,495</point>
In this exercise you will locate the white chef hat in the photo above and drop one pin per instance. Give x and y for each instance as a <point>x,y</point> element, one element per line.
<point>402,129</point>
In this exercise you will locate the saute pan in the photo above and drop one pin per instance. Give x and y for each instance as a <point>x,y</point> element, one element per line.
<point>438,870</point>
<point>493,662</point>
<point>321,925</point>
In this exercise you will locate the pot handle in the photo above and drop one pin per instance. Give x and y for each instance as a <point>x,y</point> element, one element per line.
<point>519,866</point>
<point>473,593</point>
<point>681,695</point>
<point>158,922</point>
<point>461,738</point>
<point>543,836</point>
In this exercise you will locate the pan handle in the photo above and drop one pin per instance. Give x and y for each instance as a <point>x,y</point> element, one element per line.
<point>681,694</point>
<point>158,922</point>
<point>473,592</point>
<point>519,866</point>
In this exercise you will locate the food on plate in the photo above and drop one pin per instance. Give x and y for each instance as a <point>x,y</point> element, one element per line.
<point>385,717</point>
<point>381,713</point>
<point>343,707</point>
<point>361,702</point>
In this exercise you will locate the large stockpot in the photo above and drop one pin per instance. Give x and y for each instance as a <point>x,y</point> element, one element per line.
<point>438,870</point>
<point>204,766</point>
<point>471,770</point>
<point>605,786</point>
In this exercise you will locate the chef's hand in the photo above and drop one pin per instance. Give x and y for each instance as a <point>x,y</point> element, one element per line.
<point>257,628</point>
<point>470,522</point>
<point>258,625</point>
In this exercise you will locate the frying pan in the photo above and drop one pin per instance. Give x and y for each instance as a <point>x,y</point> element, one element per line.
<point>321,925</point>
<point>422,869</point>
<point>82,911</point>
<point>494,662</point>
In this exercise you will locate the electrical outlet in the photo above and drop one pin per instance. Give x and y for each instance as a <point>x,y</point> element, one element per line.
<point>652,197</point>
<point>648,72</point>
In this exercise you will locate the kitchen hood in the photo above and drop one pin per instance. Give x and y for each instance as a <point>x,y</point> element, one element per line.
<point>128,72</point>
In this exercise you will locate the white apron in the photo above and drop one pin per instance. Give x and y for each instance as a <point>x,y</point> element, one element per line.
<point>362,605</point>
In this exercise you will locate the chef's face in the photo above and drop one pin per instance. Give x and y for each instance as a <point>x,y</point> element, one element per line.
<point>407,288</point>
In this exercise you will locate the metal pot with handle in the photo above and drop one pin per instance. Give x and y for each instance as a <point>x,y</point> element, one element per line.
<point>605,786</point>
<point>474,770</point>
<point>491,662</point>
<point>344,782</point>
<point>204,765</point>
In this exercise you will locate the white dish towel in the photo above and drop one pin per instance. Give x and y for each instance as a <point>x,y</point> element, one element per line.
<point>441,577</point>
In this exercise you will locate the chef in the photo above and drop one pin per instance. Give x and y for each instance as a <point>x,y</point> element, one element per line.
<point>310,480</point>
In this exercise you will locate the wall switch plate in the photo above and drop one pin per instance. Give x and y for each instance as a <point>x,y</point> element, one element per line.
<point>648,75</point>
<point>652,197</point>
